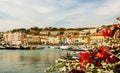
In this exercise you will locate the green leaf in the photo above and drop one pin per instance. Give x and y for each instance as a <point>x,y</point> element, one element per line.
<point>63,69</point>
<point>87,65</point>
<point>95,71</point>
<point>92,66</point>
<point>59,65</point>
<point>104,64</point>
<point>49,69</point>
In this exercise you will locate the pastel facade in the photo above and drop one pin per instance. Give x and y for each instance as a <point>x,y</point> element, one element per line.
<point>14,38</point>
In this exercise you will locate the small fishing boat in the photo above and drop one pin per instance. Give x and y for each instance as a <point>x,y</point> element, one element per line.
<point>40,47</point>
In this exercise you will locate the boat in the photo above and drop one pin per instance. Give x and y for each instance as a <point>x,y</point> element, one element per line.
<point>64,47</point>
<point>78,43</point>
<point>16,47</point>
<point>69,57</point>
<point>40,47</point>
<point>73,54</point>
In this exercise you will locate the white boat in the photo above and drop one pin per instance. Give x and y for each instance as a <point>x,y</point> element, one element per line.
<point>40,47</point>
<point>64,47</point>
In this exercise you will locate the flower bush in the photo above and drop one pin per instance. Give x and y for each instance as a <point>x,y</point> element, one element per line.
<point>102,59</point>
<point>108,33</point>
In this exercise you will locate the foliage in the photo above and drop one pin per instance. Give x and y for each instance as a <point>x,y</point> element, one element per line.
<point>102,59</point>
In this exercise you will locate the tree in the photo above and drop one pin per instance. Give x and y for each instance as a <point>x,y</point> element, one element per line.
<point>54,29</point>
<point>34,28</point>
<point>27,31</point>
<point>40,29</point>
<point>61,32</point>
<point>62,29</point>
<point>46,28</point>
<point>15,30</point>
<point>22,30</point>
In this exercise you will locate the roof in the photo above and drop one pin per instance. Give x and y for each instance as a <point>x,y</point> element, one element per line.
<point>96,34</point>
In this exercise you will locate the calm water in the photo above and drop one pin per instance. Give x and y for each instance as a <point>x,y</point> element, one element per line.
<point>27,61</point>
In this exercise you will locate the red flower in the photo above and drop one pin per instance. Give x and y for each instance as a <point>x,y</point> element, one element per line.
<point>85,56</point>
<point>102,49</point>
<point>105,55</point>
<point>99,55</point>
<point>99,64</point>
<point>102,53</point>
<point>83,67</point>
<point>106,33</point>
<point>103,32</point>
<point>90,61</point>
<point>109,48</point>
<point>110,33</point>
<point>113,59</point>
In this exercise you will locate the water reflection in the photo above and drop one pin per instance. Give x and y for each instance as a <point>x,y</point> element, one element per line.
<point>27,61</point>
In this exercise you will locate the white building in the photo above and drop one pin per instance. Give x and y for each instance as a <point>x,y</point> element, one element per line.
<point>13,38</point>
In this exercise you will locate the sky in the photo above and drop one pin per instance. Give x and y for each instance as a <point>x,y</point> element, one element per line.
<point>57,13</point>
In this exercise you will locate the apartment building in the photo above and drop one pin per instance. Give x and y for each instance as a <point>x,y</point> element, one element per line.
<point>14,38</point>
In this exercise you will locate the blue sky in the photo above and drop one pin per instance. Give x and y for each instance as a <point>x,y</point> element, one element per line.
<point>57,13</point>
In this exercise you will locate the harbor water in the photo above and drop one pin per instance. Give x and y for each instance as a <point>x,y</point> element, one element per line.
<point>27,61</point>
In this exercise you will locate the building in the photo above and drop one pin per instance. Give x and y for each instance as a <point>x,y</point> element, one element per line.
<point>84,37</point>
<point>14,38</point>
<point>45,33</point>
<point>96,38</point>
<point>32,40</point>
<point>72,33</point>
<point>53,40</point>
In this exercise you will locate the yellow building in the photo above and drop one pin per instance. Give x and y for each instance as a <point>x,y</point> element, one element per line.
<point>33,40</point>
<point>84,37</point>
<point>96,38</point>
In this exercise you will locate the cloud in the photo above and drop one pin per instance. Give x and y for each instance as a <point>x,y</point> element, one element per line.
<point>110,7</point>
<point>57,13</point>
